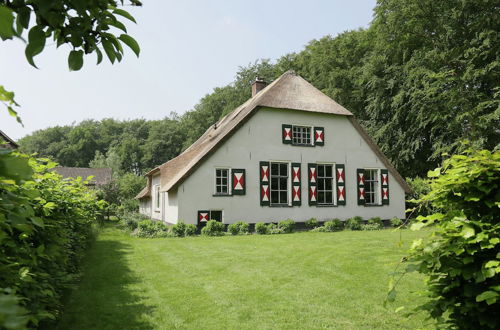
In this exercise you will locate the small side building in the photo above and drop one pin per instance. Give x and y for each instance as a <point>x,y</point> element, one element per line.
<point>6,141</point>
<point>101,176</point>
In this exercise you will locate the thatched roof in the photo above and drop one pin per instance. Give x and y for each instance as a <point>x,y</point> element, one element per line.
<point>289,91</point>
<point>100,175</point>
<point>9,142</point>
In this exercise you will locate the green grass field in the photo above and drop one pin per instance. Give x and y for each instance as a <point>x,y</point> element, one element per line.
<point>295,281</point>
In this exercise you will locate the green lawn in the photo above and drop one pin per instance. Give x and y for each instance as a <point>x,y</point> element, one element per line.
<point>294,281</point>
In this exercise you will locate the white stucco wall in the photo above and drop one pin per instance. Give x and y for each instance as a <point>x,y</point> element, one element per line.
<point>145,206</point>
<point>259,139</point>
<point>170,209</point>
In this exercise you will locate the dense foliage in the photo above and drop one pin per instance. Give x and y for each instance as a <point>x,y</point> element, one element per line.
<point>213,228</point>
<point>461,258</point>
<point>45,226</point>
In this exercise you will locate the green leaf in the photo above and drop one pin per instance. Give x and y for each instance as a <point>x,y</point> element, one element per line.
<point>129,41</point>
<point>75,60</point>
<point>110,50</point>
<point>6,23</point>
<point>99,55</point>
<point>36,43</point>
<point>119,25</point>
<point>489,296</point>
<point>468,231</point>
<point>125,14</point>
<point>417,226</point>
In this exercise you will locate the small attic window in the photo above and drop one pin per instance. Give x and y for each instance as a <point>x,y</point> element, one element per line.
<point>301,135</point>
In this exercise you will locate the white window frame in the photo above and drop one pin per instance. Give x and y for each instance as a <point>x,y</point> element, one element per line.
<point>229,185</point>
<point>334,183</point>
<point>377,192</point>
<point>311,135</point>
<point>288,183</point>
<point>157,199</point>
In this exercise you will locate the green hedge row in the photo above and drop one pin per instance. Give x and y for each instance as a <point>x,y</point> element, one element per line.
<point>45,227</point>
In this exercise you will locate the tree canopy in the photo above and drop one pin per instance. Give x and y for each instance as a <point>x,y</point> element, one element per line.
<point>422,77</point>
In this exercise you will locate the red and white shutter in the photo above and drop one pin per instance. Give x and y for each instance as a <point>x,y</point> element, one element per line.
<point>340,177</point>
<point>360,179</point>
<point>319,136</point>
<point>286,133</point>
<point>312,178</point>
<point>238,181</point>
<point>384,180</point>
<point>264,183</point>
<point>203,217</point>
<point>296,186</point>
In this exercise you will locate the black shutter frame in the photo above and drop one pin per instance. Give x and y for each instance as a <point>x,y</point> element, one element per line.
<point>297,184</point>
<point>322,131</point>
<point>199,216</point>
<point>360,185</point>
<point>312,184</point>
<point>384,185</point>
<point>284,137</point>
<point>233,177</point>
<point>264,183</point>
<point>340,180</point>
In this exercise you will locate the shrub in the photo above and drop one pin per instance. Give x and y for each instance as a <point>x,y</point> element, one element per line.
<point>238,228</point>
<point>273,228</point>
<point>261,228</point>
<point>213,228</point>
<point>371,226</point>
<point>376,221</point>
<point>312,223</point>
<point>354,223</point>
<point>287,226</point>
<point>152,229</point>
<point>179,229</point>
<point>334,225</point>
<point>319,229</point>
<point>46,224</point>
<point>396,222</point>
<point>460,258</point>
<point>131,219</point>
<point>190,230</point>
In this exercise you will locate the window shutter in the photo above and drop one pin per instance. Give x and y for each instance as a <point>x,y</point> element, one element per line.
<point>319,136</point>
<point>360,178</point>
<point>340,175</point>
<point>203,216</point>
<point>264,183</point>
<point>312,175</point>
<point>384,174</point>
<point>286,134</point>
<point>238,181</point>
<point>296,176</point>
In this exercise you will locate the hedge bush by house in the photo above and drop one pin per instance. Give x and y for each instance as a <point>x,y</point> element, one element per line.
<point>354,223</point>
<point>261,228</point>
<point>46,224</point>
<point>312,223</point>
<point>396,222</point>
<point>238,228</point>
<point>213,228</point>
<point>152,229</point>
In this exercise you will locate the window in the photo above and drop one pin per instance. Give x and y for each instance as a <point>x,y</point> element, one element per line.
<point>325,184</point>
<point>216,215</point>
<point>279,183</point>
<point>371,187</point>
<point>157,196</point>
<point>222,181</point>
<point>301,135</point>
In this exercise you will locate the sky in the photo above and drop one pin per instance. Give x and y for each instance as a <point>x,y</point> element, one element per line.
<point>187,49</point>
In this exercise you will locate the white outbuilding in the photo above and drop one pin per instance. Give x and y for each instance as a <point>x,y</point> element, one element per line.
<point>289,152</point>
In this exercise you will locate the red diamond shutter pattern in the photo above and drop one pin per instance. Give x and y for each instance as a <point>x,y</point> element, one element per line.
<point>319,136</point>
<point>296,178</point>
<point>312,178</point>
<point>340,177</point>
<point>203,216</point>
<point>384,179</point>
<point>264,183</point>
<point>238,181</point>
<point>286,133</point>
<point>360,179</point>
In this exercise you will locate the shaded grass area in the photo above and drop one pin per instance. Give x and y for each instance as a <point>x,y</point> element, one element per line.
<point>295,281</point>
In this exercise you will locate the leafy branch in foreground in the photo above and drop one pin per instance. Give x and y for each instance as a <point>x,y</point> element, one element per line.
<point>85,25</point>
<point>7,98</point>
<point>460,258</point>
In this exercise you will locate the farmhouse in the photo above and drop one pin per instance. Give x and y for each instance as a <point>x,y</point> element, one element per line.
<point>288,152</point>
<point>99,176</point>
